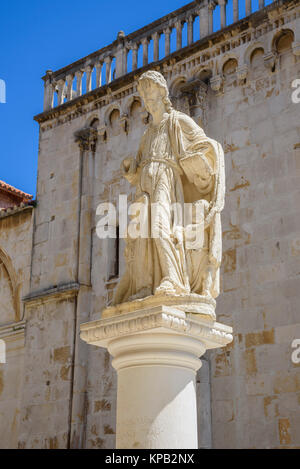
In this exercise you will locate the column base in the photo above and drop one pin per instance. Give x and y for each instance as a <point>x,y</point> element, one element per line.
<point>156,354</point>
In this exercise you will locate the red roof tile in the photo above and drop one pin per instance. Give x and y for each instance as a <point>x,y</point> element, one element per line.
<point>16,192</point>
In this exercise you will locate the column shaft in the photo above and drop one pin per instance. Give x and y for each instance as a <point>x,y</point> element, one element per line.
<point>190,24</point>
<point>155,38</point>
<point>178,35</point>
<point>235,10</point>
<point>145,51</point>
<point>135,49</point>
<point>167,41</point>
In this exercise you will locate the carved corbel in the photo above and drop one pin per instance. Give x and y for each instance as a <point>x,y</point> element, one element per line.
<point>241,74</point>
<point>270,61</point>
<point>216,83</point>
<point>296,48</point>
<point>102,132</point>
<point>124,121</point>
<point>87,138</point>
<point>195,90</point>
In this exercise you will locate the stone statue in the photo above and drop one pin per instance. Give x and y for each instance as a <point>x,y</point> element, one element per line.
<point>176,165</point>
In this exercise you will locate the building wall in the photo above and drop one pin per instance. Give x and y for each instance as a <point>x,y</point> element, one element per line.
<point>15,260</point>
<point>255,385</point>
<point>249,393</point>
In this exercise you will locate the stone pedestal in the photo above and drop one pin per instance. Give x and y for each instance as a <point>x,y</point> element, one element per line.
<point>156,354</point>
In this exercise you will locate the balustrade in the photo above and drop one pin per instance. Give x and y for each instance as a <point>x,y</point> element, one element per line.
<point>62,82</point>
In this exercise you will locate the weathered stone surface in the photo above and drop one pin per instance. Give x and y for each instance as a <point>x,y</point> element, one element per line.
<point>254,384</point>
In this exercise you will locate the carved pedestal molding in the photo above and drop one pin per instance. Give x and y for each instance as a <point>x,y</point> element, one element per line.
<point>156,354</point>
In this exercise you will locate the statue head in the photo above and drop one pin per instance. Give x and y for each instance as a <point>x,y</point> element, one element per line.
<point>153,88</point>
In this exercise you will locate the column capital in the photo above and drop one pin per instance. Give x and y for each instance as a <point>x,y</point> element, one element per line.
<point>134,46</point>
<point>211,5</point>
<point>49,74</point>
<point>108,59</point>
<point>86,138</point>
<point>70,76</point>
<point>79,73</point>
<point>170,319</point>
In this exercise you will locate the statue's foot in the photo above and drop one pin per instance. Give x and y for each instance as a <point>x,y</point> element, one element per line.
<point>166,287</point>
<point>169,288</point>
<point>207,294</point>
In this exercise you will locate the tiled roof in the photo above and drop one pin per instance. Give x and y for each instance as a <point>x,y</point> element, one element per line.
<point>4,212</point>
<point>16,192</point>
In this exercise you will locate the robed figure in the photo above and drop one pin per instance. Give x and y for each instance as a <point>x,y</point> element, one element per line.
<point>177,166</point>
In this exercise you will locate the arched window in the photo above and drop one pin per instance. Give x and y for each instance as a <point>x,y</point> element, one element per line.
<point>9,295</point>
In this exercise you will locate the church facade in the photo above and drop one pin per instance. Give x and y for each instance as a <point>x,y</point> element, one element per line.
<point>240,84</point>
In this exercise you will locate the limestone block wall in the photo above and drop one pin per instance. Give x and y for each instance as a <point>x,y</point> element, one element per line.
<point>15,262</point>
<point>255,385</point>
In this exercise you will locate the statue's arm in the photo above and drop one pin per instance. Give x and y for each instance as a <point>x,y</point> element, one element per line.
<point>195,154</point>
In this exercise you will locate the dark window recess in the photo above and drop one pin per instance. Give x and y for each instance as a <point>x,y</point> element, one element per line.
<point>113,256</point>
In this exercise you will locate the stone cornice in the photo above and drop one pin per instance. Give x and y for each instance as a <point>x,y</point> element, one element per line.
<point>160,318</point>
<point>12,331</point>
<point>64,291</point>
<point>15,210</point>
<point>243,25</point>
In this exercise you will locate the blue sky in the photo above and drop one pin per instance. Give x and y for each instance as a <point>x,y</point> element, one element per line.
<point>37,35</point>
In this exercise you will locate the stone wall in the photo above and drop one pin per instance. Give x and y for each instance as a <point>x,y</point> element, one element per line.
<point>255,385</point>
<point>237,83</point>
<point>15,263</point>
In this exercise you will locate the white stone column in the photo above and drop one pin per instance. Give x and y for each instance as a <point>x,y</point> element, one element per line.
<point>145,44</point>
<point>108,61</point>
<point>190,23</point>
<point>70,79</point>
<point>120,60</point>
<point>61,84</point>
<point>135,49</point>
<point>155,38</point>
<point>156,354</point>
<point>178,26</point>
<point>204,21</point>
<point>248,7</point>
<point>167,33</point>
<point>79,75</point>
<point>99,74</point>
<point>235,10</point>
<point>222,4</point>
<point>88,72</point>
<point>211,7</point>
<point>48,91</point>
